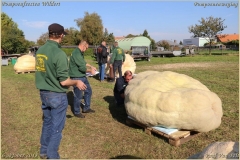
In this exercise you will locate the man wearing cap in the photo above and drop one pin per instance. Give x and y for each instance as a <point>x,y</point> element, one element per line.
<point>52,79</point>
<point>77,71</point>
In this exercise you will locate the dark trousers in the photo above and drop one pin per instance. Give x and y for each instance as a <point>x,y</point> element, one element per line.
<point>117,65</point>
<point>119,100</point>
<point>78,94</point>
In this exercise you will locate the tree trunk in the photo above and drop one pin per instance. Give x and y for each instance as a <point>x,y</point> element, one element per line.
<point>210,45</point>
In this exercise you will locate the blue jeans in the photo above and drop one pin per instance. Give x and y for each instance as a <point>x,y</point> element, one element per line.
<point>101,71</point>
<point>54,107</point>
<point>78,94</point>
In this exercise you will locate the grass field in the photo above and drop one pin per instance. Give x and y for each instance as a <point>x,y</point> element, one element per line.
<point>104,134</point>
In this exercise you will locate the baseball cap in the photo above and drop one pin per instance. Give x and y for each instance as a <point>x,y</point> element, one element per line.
<point>56,29</point>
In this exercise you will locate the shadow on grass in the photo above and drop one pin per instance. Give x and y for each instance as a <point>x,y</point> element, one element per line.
<point>118,113</point>
<point>70,102</point>
<point>125,157</point>
<point>95,77</point>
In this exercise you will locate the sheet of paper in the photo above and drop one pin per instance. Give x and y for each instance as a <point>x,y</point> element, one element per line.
<point>90,75</point>
<point>161,128</point>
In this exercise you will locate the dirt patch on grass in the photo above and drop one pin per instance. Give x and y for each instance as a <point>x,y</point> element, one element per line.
<point>185,65</point>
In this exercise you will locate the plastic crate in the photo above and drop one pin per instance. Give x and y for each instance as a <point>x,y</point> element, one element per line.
<point>4,62</point>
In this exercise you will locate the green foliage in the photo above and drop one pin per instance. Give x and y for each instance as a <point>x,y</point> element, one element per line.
<point>91,28</point>
<point>208,28</point>
<point>183,49</point>
<point>109,38</point>
<point>72,38</point>
<point>42,39</point>
<point>180,43</point>
<point>153,44</point>
<point>131,36</point>
<point>68,51</point>
<point>233,42</point>
<point>164,44</point>
<point>89,52</point>
<point>12,38</point>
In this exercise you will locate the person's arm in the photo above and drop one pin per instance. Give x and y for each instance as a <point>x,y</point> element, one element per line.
<point>123,55</point>
<point>91,69</point>
<point>119,87</point>
<point>62,73</point>
<point>70,82</point>
<point>113,57</point>
<point>104,52</point>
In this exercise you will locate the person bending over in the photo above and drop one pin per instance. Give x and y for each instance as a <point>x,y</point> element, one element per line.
<point>120,85</point>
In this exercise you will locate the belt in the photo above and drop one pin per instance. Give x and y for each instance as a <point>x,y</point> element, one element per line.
<point>49,91</point>
<point>77,77</point>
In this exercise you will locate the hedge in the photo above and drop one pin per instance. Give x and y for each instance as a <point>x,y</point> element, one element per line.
<point>68,51</point>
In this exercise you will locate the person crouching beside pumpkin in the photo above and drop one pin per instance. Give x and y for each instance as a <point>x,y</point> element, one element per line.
<point>120,85</point>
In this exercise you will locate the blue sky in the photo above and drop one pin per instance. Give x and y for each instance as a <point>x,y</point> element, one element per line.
<point>162,19</point>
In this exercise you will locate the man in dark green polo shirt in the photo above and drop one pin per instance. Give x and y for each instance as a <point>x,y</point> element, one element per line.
<point>77,71</point>
<point>52,79</point>
<point>117,60</point>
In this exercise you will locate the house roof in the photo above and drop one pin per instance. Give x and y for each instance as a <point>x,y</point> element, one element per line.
<point>228,37</point>
<point>117,38</point>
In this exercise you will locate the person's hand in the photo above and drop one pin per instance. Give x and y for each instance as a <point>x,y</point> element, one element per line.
<point>81,85</point>
<point>93,71</point>
<point>122,63</point>
<point>110,66</point>
<point>93,68</point>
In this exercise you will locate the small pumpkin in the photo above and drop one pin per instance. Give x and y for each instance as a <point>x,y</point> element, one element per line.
<point>25,63</point>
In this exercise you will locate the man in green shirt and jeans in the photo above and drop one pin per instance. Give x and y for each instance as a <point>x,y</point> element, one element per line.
<point>52,79</point>
<point>117,60</point>
<point>77,71</point>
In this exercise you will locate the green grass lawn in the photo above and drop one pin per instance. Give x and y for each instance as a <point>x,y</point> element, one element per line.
<point>104,134</point>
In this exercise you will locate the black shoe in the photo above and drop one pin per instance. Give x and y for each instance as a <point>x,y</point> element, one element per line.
<point>79,115</point>
<point>89,111</point>
<point>111,81</point>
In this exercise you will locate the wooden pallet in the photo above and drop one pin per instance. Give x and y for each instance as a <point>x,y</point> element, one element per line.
<point>175,139</point>
<point>24,72</point>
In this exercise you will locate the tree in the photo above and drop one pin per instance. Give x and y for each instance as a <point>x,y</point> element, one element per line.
<point>208,29</point>
<point>109,38</point>
<point>153,44</point>
<point>91,28</point>
<point>180,43</point>
<point>164,44</point>
<point>72,38</point>
<point>43,38</point>
<point>131,36</point>
<point>105,34</point>
<point>145,33</point>
<point>12,38</point>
